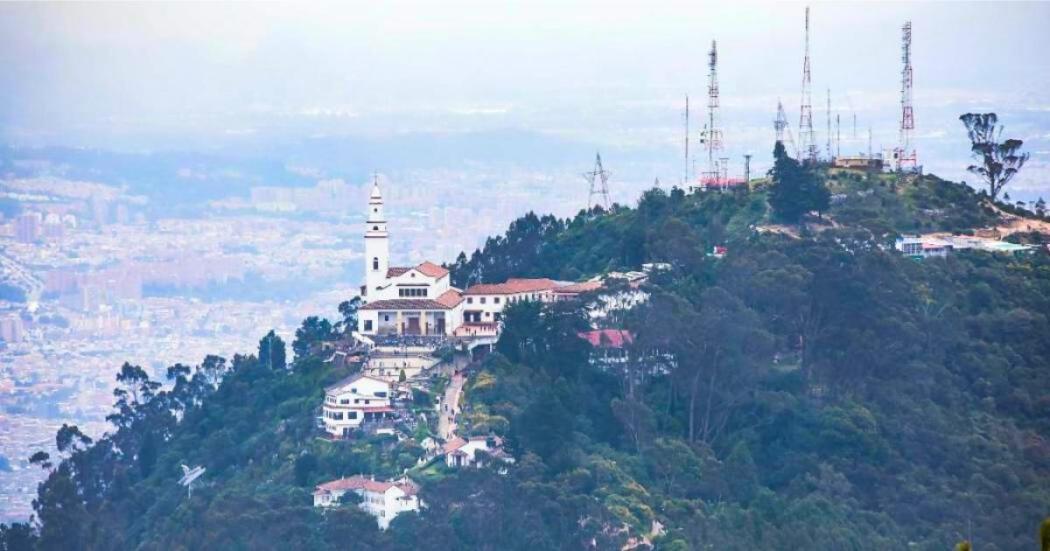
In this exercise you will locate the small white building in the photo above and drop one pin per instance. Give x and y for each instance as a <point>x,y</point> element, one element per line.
<point>353,401</point>
<point>943,244</point>
<point>464,453</point>
<point>382,500</point>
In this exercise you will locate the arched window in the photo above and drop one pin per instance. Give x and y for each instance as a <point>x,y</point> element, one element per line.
<point>375,228</point>
<point>375,263</point>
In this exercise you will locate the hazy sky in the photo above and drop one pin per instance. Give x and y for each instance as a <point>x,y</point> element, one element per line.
<point>184,76</point>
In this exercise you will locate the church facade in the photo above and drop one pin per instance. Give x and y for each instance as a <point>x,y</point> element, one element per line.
<point>407,300</point>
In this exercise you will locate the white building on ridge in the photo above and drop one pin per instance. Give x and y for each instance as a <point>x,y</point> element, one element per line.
<point>383,500</point>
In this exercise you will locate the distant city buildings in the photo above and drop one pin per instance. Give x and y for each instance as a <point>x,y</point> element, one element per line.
<point>11,328</point>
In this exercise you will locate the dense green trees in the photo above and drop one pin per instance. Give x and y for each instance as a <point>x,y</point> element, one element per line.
<point>796,189</point>
<point>272,351</point>
<point>812,393</point>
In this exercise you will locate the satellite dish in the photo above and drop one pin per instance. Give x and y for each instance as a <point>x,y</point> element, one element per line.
<point>189,476</point>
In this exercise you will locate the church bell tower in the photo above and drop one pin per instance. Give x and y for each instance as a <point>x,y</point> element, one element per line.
<point>377,244</point>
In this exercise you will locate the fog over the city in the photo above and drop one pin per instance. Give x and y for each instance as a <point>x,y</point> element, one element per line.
<point>257,77</point>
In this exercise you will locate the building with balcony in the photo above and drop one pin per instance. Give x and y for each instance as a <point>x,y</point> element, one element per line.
<point>355,401</point>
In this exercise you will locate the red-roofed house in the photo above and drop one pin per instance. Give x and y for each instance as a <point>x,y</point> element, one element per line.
<point>484,302</point>
<point>464,453</point>
<point>383,500</point>
<point>611,346</point>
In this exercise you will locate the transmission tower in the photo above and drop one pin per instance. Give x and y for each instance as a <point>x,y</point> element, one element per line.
<point>712,135</point>
<point>599,181</point>
<point>806,136</point>
<point>905,153</point>
<point>780,124</point>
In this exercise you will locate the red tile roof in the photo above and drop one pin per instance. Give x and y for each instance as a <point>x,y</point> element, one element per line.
<point>358,482</point>
<point>582,287</point>
<point>608,338</point>
<point>430,269</point>
<point>396,271</point>
<point>450,298</point>
<point>511,287</point>
<point>453,445</point>
<point>407,304</point>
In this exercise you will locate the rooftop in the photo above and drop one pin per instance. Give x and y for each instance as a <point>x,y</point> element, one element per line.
<point>512,286</point>
<point>352,379</point>
<point>428,268</point>
<point>608,338</point>
<point>441,303</point>
<point>358,482</point>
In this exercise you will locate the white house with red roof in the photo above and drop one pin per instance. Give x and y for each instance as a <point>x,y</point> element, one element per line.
<point>464,453</point>
<point>382,500</point>
<point>484,303</point>
<point>356,400</point>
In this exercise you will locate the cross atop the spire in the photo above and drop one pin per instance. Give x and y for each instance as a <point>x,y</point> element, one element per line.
<point>376,194</point>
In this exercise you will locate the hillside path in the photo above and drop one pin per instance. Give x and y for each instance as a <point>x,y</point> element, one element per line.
<point>450,401</point>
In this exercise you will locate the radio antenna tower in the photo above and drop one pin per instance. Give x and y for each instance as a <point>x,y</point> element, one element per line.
<point>838,137</point>
<point>685,161</point>
<point>599,180</point>
<point>806,136</point>
<point>906,157</point>
<point>780,124</point>
<point>712,136</point>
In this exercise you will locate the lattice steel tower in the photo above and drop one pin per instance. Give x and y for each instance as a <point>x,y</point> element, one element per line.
<point>807,137</point>
<point>905,154</point>
<point>599,181</point>
<point>712,135</point>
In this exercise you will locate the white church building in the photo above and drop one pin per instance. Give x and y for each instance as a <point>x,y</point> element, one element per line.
<point>420,300</point>
<point>410,300</point>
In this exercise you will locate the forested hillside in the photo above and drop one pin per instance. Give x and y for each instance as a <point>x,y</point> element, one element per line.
<point>809,391</point>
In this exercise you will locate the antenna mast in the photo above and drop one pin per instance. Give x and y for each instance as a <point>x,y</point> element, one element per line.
<point>712,136</point>
<point>806,135</point>
<point>599,180</point>
<point>838,137</point>
<point>906,157</point>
